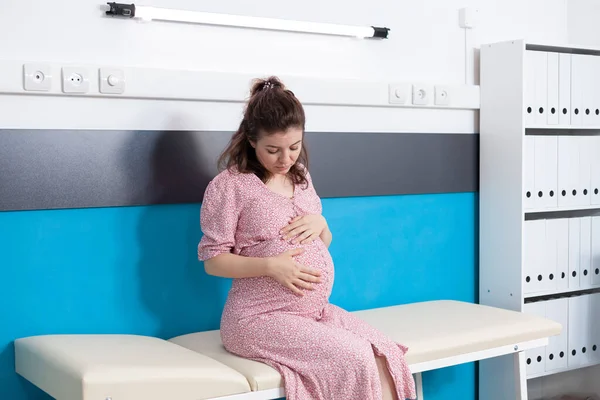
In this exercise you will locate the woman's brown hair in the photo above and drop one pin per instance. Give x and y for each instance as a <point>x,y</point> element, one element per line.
<point>271,108</point>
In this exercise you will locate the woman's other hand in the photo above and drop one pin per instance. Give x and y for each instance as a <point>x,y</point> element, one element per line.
<point>289,273</point>
<point>304,229</point>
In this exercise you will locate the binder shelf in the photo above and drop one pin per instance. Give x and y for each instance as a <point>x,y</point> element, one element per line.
<point>539,221</point>
<point>577,346</point>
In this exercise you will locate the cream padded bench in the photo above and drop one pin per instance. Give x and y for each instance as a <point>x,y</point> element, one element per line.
<point>196,366</point>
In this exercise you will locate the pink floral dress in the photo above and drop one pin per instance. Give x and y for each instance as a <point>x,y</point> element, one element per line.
<point>322,351</point>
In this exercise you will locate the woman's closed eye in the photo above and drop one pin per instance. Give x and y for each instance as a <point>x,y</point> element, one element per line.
<point>270,151</point>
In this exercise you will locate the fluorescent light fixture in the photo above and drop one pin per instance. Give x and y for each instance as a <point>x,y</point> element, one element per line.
<point>147,13</point>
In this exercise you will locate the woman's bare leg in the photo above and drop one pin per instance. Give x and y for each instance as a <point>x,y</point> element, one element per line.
<point>387,384</point>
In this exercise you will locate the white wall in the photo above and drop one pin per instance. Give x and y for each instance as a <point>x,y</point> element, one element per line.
<point>583,22</point>
<point>426,44</point>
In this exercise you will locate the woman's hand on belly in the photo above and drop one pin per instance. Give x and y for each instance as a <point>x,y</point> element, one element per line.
<point>304,229</point>
<point>285,270</point>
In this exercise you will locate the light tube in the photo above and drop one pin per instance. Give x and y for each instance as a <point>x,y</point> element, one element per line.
<point>147,13</point>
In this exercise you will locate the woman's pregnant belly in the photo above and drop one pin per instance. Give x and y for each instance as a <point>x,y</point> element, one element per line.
<point>253,296</point>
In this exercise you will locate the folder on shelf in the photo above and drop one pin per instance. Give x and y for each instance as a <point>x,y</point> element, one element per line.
<point>574,252</point>
<point>595,170</point>
<point>546,172</point>
<point>564,89</point>
<point>558,346</point>
<point>540,62</point>
<point>583,197</point>
<point>594,323</point>
<point>533,260</point>
<point>568,171</point>
<point>579,337</point>
<point>552,84</point>
<point>550,260</point>
<point>588,117</point>
<point>578,83</point>
<point>585,253</point>
<point>529,171</point>
<point>595,256</point>
<point>535,358</point>
<point>529,84</point>
<point>557,255</point>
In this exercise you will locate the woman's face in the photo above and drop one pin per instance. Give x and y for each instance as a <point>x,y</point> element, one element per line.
<point>279,151</point>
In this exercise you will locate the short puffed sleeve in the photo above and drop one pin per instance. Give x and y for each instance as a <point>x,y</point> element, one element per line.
<point>219,216</point>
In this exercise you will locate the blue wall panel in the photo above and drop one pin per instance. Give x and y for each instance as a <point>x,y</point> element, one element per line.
<point>134,270</point>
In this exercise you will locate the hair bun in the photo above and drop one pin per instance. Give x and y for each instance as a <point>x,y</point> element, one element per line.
<point>261,85</point>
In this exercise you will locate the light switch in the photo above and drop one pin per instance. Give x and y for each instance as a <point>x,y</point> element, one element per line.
<point>112,80</point>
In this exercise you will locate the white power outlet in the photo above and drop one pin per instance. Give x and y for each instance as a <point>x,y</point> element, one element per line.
<point>399,93</point>
<point>75,80</point>
<point>442,95</point>
<point>421,94</point>
<point>37,77</point>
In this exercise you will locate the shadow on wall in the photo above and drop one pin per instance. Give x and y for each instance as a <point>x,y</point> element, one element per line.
<point>173,285</point>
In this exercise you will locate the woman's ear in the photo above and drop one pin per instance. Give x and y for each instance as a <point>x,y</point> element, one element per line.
<point>253,144</point>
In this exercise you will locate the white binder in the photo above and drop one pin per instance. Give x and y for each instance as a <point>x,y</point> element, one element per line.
<point>579,331</point>
<point>535,358</point>
<point>561,225</point>
<point>595,244</point>
<point>583,197</point>
<point>568,171</point>
<point>574,252</point>
<point>588,117</point>
<point>546,172</point>
<point>529,171</point>
<point>564,89</point>
<point>552,84</point>
<point>540,59</point>
<point>529,88</point>
<point>595,87</point>
<point>556,251</point>
<point>585,253</point>
<point>558,346</point>
<point>534,237</point>
<point>595,169</point>
<point>550,262</point>
<point>577,84</point>
<point>595,328</point>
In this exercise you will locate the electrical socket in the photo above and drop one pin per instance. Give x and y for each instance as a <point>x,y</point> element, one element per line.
<point>399,93</point>
<point>421,94</point>
<point>442,95</point>
<point>37,77</point>
<point>75,80</point>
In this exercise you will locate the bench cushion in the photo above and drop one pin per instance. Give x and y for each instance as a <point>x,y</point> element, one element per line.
<point>196,366</point>
<point>81,367</point>
<point>439,329</point>
<point>432,330</point>
<point>260,376</point>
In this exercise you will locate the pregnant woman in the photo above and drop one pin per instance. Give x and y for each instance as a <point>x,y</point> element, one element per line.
<point>262,226</point>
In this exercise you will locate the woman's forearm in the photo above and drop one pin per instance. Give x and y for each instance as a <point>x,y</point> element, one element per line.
<point>228,265</point>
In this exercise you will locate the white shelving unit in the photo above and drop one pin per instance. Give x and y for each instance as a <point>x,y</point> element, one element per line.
<point>540,204</point>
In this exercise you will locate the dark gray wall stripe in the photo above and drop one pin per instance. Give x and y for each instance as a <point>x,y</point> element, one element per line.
<point>43,169</point>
